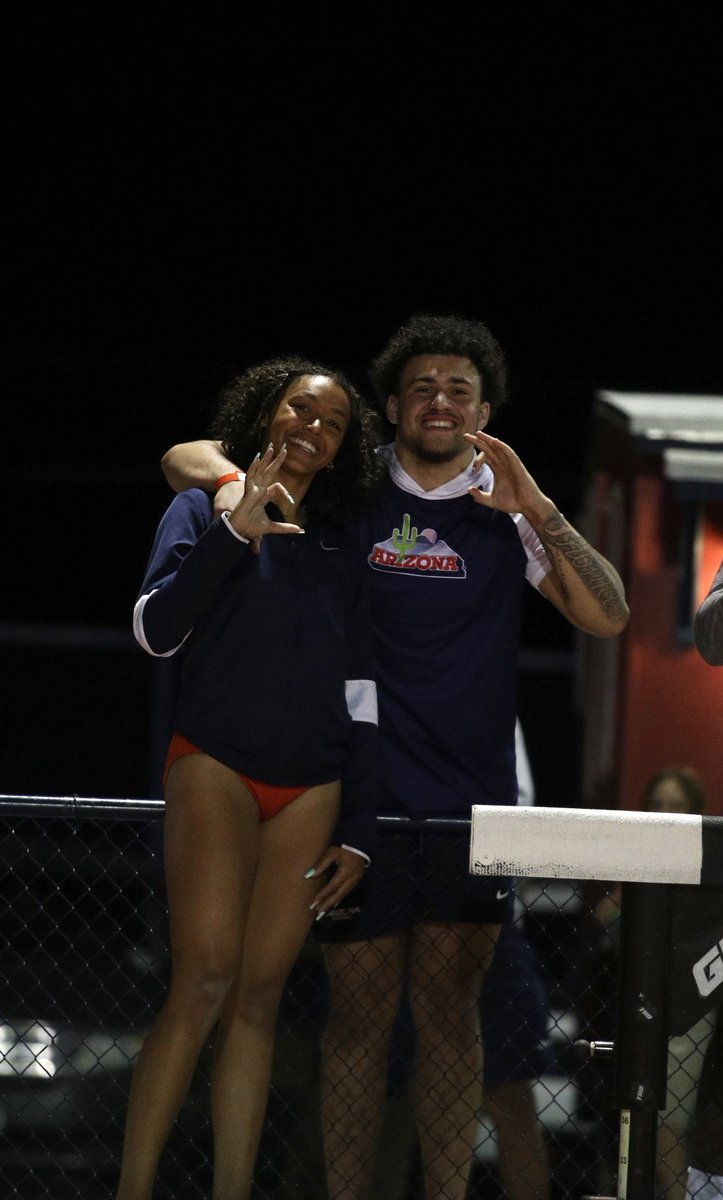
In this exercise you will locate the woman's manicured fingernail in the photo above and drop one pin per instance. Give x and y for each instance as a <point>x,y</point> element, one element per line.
<point>320,915</point>
<point>310,873</point>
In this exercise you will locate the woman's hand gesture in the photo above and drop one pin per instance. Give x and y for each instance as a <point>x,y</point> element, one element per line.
<point>249,518</point>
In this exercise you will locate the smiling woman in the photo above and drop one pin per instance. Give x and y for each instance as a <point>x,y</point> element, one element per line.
<point>270,788</point>
<point>323,422</point>
<point>310,420</point>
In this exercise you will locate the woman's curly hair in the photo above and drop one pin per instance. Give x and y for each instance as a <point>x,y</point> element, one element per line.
<point>249,400</point>
<point>428,334</point>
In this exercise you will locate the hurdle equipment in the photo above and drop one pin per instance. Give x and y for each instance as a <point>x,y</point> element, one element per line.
<point>671,953</point>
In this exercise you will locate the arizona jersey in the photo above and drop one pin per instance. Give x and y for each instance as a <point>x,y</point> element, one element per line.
<point>446,577</point>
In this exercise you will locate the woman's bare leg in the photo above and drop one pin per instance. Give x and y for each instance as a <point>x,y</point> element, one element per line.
<point>279,919</point>
<point>211,839</point>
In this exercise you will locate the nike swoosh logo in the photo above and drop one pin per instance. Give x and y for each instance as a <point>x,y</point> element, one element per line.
<point>501,895</point>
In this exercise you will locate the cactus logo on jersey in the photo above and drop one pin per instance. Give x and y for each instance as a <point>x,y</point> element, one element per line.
<point>409,552</point>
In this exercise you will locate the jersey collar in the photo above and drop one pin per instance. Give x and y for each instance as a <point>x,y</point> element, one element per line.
<point>483,478</point>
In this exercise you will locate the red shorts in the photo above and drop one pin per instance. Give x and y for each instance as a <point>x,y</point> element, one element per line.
<point>269,797</point>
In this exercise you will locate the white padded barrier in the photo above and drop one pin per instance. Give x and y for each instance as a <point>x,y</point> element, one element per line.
<point>586,843</point>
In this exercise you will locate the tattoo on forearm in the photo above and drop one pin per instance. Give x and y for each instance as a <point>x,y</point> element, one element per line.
<point>601,580</point>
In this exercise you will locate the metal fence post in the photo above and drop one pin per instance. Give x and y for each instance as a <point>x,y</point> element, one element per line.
<point>642,1030</point>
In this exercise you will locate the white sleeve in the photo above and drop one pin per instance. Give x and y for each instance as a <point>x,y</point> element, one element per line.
<point>525,782</point>
<point>538,564</point>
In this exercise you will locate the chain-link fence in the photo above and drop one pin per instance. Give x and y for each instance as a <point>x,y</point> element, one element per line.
<point>85,966</point>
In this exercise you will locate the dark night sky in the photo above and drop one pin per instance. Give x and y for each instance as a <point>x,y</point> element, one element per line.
<point>204,190</point>
<point>191,193</point>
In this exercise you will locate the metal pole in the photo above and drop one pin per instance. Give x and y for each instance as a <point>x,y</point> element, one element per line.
<point>641,1044</point>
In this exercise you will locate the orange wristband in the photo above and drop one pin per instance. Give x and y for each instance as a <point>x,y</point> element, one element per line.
<point>232,477</point>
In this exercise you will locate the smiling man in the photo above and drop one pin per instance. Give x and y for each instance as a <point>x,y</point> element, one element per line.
<point>439,401</point>
<point>454,537</point>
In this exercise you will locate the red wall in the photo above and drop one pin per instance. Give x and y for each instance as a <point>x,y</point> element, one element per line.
<point>670,702</point>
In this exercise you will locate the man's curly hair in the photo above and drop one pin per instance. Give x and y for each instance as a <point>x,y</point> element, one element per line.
<point>249,400</point>
<point>425,333</point>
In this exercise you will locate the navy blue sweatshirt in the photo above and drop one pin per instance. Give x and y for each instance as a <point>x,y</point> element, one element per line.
<point>277,674</point>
